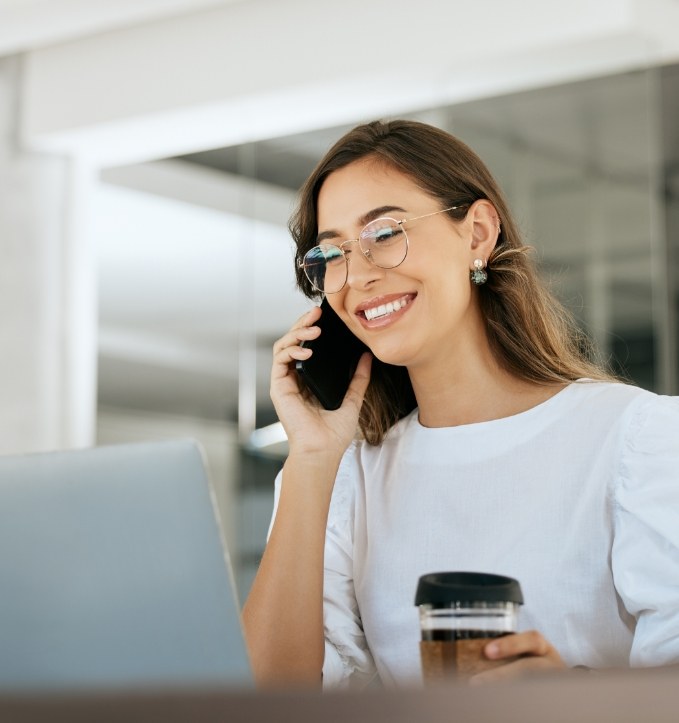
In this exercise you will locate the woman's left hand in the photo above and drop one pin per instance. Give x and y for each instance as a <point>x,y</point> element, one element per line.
<point>532,651</point>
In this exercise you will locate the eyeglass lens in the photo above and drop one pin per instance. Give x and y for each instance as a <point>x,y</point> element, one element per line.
<point>383,242</point>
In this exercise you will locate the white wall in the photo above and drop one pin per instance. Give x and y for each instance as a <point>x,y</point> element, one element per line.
<point>47,295</point>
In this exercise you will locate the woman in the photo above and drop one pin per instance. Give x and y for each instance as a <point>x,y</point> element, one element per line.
<point>492,442</point>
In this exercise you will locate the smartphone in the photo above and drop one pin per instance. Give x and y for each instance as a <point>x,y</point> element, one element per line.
<point>330,369</point>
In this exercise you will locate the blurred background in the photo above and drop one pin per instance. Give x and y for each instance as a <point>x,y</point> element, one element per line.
<point>151,150</point>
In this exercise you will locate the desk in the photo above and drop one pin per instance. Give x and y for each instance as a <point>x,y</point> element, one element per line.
<point>648,696</point>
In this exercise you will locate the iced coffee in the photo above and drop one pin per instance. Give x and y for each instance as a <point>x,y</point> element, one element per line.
<point>460,612</point>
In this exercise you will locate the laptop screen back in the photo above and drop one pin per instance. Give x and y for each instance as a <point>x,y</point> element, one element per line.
<point>114,573</point>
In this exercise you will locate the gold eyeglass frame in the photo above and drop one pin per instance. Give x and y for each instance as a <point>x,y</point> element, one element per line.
<point>367,253</point>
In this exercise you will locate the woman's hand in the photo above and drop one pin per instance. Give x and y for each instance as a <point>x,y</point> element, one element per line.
<point>526,652</point>
<point>310,428</point>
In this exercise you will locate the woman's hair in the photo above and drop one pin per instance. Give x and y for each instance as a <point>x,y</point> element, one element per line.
<point>531,334</point>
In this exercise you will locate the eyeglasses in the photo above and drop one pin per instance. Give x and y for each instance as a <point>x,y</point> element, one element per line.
<point>383,242</point>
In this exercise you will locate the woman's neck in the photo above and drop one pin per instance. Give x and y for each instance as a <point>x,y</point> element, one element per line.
<point>456,391</point>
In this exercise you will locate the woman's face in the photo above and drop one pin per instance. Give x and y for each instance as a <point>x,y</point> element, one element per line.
<point>438,309</point>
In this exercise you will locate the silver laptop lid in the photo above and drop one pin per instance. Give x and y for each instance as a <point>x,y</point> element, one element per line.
<point>114,572</point>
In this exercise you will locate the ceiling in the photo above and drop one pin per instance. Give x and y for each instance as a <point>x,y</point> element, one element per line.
<point>30,24</point>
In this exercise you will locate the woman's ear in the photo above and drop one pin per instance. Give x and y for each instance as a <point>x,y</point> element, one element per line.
<point>485,227</point>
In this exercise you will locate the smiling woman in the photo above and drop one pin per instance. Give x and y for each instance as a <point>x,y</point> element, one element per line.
<point>531,335</point>
<point>491,440</point>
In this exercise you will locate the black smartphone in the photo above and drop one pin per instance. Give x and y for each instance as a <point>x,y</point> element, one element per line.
<point>336,351</point>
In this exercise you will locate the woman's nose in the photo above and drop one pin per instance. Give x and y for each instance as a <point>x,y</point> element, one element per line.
<point>361,271</point>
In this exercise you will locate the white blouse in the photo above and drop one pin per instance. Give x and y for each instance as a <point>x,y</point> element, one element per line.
<point>577,498</point>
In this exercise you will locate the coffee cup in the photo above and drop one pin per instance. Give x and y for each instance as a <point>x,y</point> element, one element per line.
<point>460,612</point>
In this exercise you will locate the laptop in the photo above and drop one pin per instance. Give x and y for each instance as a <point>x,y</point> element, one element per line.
<point>114,572</point>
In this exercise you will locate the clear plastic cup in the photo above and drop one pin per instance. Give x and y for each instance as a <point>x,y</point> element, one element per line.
<point>459,613</point>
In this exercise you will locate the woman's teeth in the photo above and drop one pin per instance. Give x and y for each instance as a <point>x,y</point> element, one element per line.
<point>385,309</point>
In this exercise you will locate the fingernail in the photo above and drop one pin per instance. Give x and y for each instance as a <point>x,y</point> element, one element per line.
<point>492,650</point>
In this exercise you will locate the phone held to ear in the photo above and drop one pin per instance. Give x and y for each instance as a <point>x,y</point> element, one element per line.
<point>330,369</point>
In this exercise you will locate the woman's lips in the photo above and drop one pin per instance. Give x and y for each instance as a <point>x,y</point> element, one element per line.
<point>385,310</point>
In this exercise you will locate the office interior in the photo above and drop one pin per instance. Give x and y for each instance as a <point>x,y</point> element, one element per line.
<point>150,155</point>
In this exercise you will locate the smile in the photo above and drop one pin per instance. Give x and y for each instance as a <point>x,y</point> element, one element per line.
<point>377,312</point>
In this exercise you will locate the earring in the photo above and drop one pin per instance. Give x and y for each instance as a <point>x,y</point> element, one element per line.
<point>478,275</point>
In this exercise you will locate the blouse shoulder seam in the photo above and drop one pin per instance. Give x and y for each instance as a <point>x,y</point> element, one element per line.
<point>638,411</point>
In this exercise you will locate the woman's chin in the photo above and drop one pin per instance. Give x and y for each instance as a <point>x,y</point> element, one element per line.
<point>395,357</point>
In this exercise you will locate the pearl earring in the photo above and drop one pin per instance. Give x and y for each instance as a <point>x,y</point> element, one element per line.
<point>478,275</point>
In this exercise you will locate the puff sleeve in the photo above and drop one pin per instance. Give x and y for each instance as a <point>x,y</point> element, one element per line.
<point>645,552</point>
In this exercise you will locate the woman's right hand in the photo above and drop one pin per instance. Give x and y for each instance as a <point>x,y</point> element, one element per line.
<point>310,428</point>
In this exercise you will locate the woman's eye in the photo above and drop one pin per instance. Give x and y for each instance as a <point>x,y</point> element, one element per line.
<point>383,235</point>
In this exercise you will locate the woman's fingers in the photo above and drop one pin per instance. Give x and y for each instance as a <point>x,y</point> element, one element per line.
<point>509,646</point>
<point>294,336</point>
<point>302,330</point>
<point>286,351</point>
<point>308,318</point>
<point>524,652</point>
<point>360,381</point>
<point>288,348</point>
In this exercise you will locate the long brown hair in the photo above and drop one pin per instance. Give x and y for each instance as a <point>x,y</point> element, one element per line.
<point>532,335</point>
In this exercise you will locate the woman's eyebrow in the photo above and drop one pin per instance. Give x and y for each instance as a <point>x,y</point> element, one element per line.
<point>363,220</point>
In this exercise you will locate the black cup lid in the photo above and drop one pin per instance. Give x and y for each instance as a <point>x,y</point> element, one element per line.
<point>443,588</point>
